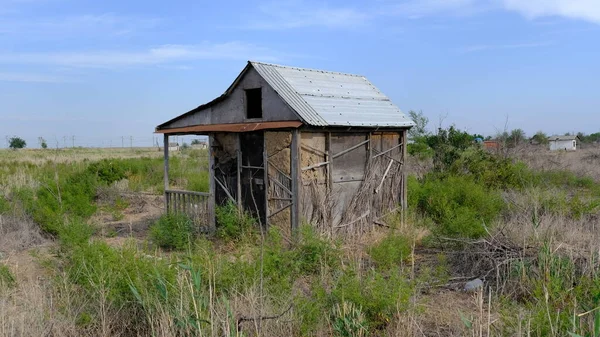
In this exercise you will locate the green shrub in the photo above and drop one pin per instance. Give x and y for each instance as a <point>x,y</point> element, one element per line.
<point>313,252</point>
<point>173,231</point>
<point>107,171</point>
<point>7,279</point>
<point>391,251</point>
<point>379,295</point>
<point>69,195</point>
<point>457,204</point>
<point>231,224</point>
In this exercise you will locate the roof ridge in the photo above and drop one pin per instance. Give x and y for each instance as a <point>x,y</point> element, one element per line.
<point>306,69</point>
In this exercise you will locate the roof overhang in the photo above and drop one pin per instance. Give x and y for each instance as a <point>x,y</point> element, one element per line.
<point>238,127</point>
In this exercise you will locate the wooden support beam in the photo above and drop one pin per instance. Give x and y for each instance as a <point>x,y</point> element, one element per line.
<point>238,191</point>
<point>330,161</point>
<point>388,150</point>
<point>296,175</point>
<point>350,149</point>
<point>266,179</point>
<point>225,189</point>
<point>211,185</point>
<point>166,174</point>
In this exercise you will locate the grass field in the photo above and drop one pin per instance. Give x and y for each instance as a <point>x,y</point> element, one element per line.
<point>85,250</point>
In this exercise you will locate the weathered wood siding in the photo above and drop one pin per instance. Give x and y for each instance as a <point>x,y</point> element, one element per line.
<point>233,108</point>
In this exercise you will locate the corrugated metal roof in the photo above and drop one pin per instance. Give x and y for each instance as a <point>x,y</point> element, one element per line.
<point>562,137</point>
<point>325,98</point>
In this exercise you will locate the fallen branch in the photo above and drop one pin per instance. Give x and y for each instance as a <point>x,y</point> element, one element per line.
<point>242,319</point>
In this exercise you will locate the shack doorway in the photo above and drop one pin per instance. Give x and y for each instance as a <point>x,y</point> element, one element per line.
<point>254,196</point>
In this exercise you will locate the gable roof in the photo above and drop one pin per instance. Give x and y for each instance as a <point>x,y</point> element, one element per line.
<point>551,138</point>
<point>323,98</point>
<point>326,98</point>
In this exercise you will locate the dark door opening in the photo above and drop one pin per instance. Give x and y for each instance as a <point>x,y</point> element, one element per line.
<point>253,176</point>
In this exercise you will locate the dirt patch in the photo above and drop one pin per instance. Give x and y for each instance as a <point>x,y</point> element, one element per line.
<point>141,211</point>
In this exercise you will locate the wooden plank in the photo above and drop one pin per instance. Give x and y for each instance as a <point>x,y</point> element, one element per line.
<point>211,185</point>
<point>220,184</point>
<point>315,166</point>
<point>388,150</point>
<point>202,194</point>
<point>349,149</point>
<point>278,183</point>
<point>296,178</point>
<point>280,209</point>
<point>166,168</point>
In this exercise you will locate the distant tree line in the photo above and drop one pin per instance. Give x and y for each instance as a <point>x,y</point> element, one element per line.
<point>424,143</point>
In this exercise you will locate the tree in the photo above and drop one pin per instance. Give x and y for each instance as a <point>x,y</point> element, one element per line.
<point>196,142</point>
<point>418,135</point>
<point>540,137</point>
<point>43,143</point>
<point>420,124</point>
<point>16,143</point>
<point>516,137</point>
<point>447,145</point>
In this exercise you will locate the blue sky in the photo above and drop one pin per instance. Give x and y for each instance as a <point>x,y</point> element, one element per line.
<point>104,70</point>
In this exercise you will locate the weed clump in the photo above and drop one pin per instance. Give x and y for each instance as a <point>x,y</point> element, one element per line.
<point>231,223</point>
<point>457,204</point>
<point>391,251</point>
<point>7,279</point>
<point>173,231</point>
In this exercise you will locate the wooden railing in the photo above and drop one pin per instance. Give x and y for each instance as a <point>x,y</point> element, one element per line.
<point>192,204</point>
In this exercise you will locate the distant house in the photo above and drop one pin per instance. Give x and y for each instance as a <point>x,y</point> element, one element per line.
<point>200,145</point>
<point>173,146</point>
<point>567,143</point>
<point>491,145</point>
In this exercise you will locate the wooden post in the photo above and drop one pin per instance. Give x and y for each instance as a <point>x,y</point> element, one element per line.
<point>295,174</point>
<point>211,185</point>
<point>404,189</point>
<point>166,174</point>
<point>238,147</point>
<point>266,179</point>
<point>328,158</point>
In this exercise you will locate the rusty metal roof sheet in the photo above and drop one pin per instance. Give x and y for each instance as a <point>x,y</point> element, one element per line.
<point>325,98</point>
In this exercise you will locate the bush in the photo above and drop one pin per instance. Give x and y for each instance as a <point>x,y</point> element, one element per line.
<point>231,224</point>
<point>379,295</point>
<point>173,231</point>
<point>107,171</point>
<point>312,253</point>
<point>391,251</point>
<point>457,204</point>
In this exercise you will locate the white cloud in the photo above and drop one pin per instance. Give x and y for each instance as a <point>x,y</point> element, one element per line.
<point>32,78</point>
<point>484,47</point>
<point>588,10</point>
<point>421,8</point>
<point>97,25</point>
<point>165,54</point>
<point>285,15</point>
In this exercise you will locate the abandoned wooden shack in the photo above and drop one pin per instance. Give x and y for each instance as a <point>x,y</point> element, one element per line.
<point>293,146</point>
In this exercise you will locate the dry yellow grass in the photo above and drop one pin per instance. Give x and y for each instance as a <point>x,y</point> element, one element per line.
<point>40,157</point>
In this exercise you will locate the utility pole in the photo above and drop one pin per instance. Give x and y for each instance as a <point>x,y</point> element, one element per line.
<point>122,141</point>
<point>131,142</point>
<point>73,141</point>
<point>64,142</point>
